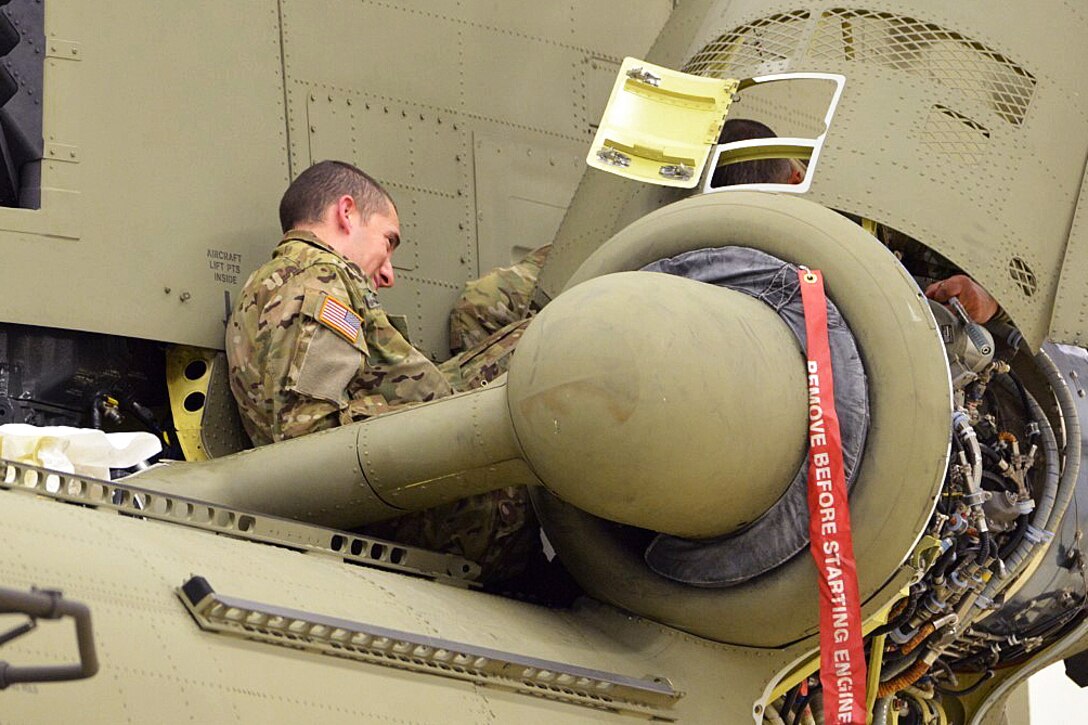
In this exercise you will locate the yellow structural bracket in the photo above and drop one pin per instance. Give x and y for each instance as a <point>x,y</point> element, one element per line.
<point>926,553</point>
<point>188,375</point>
<point>876,664</point>
<point>660,124</point>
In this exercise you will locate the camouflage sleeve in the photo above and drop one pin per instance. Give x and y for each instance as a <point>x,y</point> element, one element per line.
<point>485,361</point>
<point>313,364</point>
<point>395,374</point>
<point>495,300</point>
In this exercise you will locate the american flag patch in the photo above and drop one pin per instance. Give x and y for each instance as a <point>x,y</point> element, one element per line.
<point>340,318</point>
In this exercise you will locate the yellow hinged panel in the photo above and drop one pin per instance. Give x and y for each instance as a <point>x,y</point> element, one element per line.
<point>660,124</point>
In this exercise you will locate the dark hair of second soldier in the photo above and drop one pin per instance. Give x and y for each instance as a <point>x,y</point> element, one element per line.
<point>763,171</point>
<point>308,196</point>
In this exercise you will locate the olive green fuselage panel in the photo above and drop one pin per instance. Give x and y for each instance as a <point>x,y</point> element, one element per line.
<point>171,131</point>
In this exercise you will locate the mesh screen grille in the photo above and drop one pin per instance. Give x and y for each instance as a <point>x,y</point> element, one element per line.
<point>770,39</point>
<point>929,51</point>
<point>894,41</point>
<point>953,134</point>
<point>1023,276</point>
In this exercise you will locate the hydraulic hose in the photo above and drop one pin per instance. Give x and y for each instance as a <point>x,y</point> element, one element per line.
<point>900,615</point>
<point>987,675</point>
<point>1053,482</point>
<point>1015,538</point>
<point>914,673</point>
<point>1068,407</point>
<point>892,669</point>
<point>920,636</point>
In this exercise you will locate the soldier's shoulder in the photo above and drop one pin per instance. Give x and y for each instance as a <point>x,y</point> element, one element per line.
<point>298,253</point>
<point>304,269</point>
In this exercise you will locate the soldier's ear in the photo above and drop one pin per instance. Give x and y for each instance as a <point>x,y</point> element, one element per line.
<point>345,205</point>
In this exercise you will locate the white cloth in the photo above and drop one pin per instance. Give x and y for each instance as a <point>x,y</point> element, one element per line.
<point>84,451</point>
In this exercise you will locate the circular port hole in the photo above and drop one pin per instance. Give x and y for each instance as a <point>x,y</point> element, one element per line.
<point>196,369</point>
<point>194,402</point>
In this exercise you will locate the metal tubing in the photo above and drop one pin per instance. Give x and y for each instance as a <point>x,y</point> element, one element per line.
<point>443,453</point>
<point>1068,407</point>
<point>50,605</point>
<point>407,460</point>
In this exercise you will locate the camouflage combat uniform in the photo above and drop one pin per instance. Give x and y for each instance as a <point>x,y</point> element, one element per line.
<point>499,298</point>
<point>296,368</point>
<point>310,347</point>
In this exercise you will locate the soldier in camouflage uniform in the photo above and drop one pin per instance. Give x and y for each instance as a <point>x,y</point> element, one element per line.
<point>310,347</point>
<point>499,298</point>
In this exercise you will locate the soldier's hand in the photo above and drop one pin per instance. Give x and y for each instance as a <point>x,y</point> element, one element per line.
<point>980,305</point>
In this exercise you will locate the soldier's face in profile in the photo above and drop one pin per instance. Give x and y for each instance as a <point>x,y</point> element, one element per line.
<point>373,241</point>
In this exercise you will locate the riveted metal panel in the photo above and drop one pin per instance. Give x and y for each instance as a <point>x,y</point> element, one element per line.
<point>424,159</point>
<point>331,128</point>
<point>614,27</point>
<point>1070,321</point>
<point>523,192</point>
<point>168,161</point>
<point>498,84</point>
<point>388,50</point>
<point>440,227</point>
<point>598,77</point>
<point>553,22</point>
<point>440,154</point>
<point>527,77</point>
<point>381,141</point>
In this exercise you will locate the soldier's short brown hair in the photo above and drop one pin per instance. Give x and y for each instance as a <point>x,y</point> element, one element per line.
<point>762,171</point>
<point>309,195</point>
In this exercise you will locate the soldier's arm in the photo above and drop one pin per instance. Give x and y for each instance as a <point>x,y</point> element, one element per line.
<point>317,354</point>
<point>395,374</point>
<point>980,304</point>
<point>497,299</point>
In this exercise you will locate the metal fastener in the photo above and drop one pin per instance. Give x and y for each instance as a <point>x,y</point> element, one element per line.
<point>682,172</point>
<point>613,157</point>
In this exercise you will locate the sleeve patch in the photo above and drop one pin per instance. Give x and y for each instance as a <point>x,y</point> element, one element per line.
<point>326,367</point>
<point>340,318</point>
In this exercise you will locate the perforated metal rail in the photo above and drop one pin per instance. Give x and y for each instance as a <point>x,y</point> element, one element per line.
<point>139,502</point>
<point>648,697</point>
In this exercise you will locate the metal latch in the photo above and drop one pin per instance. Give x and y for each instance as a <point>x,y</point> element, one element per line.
<point>660,124</point>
